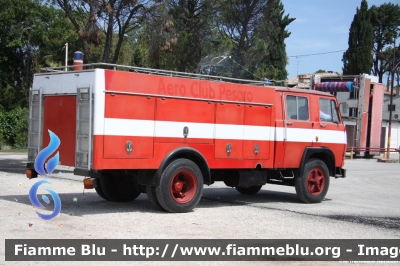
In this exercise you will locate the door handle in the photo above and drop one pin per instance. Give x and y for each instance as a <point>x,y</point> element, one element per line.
<point>289,123</point>
<point>322,125</point>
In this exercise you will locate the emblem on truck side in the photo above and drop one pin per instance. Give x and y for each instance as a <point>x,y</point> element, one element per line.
<point>129,147</point>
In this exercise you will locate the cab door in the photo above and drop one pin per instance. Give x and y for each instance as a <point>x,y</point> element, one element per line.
<point>297,129</point>
<point>330,131</point>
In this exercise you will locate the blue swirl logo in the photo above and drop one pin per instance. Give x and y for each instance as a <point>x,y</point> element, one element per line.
<point>35,201</point>
<point>41,167</point>
<point>45,153</point>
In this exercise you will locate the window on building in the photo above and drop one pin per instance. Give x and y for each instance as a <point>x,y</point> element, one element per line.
<point>353,112</point>
<point>393,107</point>
<point>297,108</point>
<point>353,94</point>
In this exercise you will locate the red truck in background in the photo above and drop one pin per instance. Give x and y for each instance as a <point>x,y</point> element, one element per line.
<point>168,133</point>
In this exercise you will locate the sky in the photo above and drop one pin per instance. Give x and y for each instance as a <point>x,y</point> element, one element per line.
<point>321,26</point>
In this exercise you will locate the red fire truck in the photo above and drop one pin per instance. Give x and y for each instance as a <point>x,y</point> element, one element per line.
<point>168,133</point>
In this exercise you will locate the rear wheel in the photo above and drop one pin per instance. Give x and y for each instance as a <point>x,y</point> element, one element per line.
<point>118,187</point>
<point>181,186</point>
<point>99,190</point>
<point>248,190</point>
<point>313,184</point>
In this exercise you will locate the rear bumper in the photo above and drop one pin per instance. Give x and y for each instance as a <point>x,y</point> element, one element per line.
<point>86,173</point>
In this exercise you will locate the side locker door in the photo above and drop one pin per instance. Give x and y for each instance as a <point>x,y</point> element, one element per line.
<point>257,132</point>
<point>229,131</point>
<point>174,121</point>
<point>129,126</point>
<point>298,129</point>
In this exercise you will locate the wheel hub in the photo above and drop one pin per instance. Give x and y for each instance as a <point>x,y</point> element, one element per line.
<point>183,186</point>
<point>178,186</point>
<point>315,182</point>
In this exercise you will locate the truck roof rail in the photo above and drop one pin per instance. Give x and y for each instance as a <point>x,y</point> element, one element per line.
<point>156,72</point>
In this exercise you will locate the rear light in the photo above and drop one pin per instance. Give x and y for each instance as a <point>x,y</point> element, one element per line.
<point>30,173</point>
<point>88,183</point>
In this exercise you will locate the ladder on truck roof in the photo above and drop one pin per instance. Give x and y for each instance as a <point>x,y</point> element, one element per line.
<point>158,72</point>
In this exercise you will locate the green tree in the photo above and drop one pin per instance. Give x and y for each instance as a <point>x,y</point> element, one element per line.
<point>16,18</point>
<point>99,22</point>
<point>388,61</point>
<point>274,32</point>
<point>257,30</point>
<point>29,33</point>
<point>192,21</point>
<point>240,21</point>
<point>386,28</point>
<point>358,58</point>
<point>217,60</point>
<point>14,127</point>
<point>159,36</point>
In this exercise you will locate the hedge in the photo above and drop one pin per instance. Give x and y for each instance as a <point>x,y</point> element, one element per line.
<point>14,127</point>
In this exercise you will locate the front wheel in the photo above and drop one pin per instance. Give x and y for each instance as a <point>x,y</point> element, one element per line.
<point>313,184</point>
<point>181,186</point>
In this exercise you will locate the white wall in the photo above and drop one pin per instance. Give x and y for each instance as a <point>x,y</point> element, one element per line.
<point>395,136</point>
<point>385,112</point>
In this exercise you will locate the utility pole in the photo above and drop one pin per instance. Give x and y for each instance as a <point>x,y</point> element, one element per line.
<point>298,65</point>
<point>391,100</point>
<point>66,56</point>
<point>28,64</point>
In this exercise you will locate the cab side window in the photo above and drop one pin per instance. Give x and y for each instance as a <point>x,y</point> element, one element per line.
<point>328,111</point>
<point>297,108</point>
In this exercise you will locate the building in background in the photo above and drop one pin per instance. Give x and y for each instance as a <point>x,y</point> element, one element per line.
<point>395,132</point>
<point>364,107</point>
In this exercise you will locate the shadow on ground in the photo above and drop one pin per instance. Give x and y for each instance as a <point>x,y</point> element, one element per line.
<point>17,166</point>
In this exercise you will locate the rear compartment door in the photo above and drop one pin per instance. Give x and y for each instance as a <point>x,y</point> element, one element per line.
<point>59,116</point>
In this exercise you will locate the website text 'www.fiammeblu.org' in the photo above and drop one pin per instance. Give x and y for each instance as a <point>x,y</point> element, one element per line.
<point>202,249</point>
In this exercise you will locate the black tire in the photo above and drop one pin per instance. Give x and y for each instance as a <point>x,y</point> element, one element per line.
<point>248,190</point>
<point>119,188</point>
<point>181,186</point>
<point>151,194</point>
<point>99,190</point>
<point>313,184</point>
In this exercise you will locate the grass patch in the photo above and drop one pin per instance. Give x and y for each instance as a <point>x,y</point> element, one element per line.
<point>15,150</point>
